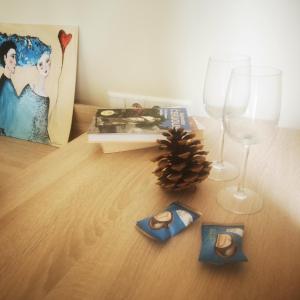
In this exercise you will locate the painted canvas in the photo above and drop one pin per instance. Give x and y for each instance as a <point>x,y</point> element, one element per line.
<point>37,81</point>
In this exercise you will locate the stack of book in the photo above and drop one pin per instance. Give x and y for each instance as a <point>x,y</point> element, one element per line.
<point>134,128</point>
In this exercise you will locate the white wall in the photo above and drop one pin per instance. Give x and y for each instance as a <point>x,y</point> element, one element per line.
<point>161,47</point>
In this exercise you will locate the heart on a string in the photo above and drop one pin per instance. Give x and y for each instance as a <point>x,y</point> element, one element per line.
<point>64,39</point>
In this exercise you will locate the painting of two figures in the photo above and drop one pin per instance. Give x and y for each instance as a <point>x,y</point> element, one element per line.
<point>37,81</point>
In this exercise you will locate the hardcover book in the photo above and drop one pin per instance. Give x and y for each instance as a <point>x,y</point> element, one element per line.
<point>135,124</point>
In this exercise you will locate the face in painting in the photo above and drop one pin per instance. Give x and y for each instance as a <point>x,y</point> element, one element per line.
<point>10,61</point>
<point>44,64</point>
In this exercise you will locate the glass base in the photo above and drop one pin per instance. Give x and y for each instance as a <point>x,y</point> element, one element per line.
<point>223,171</point>
<point>246,202</point>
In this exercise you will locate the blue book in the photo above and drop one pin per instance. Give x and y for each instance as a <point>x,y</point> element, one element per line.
<point>171,221</point>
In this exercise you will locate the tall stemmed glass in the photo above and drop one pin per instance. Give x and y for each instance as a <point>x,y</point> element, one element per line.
<point>250,115</point>
<point>216,82</point>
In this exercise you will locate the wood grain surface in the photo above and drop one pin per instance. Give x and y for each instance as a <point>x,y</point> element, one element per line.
<point>16,155</point>
<point>67,227</point>
<point>82,117</point>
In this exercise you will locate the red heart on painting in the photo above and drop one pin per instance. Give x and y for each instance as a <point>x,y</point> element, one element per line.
<point>64,39</point>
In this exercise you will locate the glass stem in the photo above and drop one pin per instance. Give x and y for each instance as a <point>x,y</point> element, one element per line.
<point>221,145</point>
<point>241,183</point>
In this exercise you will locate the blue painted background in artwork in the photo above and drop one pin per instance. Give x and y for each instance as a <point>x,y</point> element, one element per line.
<point>29,49</point>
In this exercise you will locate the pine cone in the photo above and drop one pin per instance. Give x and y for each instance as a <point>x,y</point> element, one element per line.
<point>183,164</point>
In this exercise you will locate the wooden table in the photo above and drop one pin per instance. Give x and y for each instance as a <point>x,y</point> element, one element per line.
<point>16,155</point>
<point>67,228</point>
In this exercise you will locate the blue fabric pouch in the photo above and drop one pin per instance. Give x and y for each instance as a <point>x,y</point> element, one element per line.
<point>162,226</point>
<point>222,244</point>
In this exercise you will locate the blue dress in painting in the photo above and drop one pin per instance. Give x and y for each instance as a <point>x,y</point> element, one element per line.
<point>8,103</point>
<point>31,120</point>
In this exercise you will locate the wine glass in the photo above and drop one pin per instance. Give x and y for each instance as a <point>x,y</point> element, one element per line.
<point>216,82</point>
<point>250,116</point>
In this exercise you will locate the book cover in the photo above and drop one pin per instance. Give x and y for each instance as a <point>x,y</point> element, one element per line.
<point>135,124</point>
